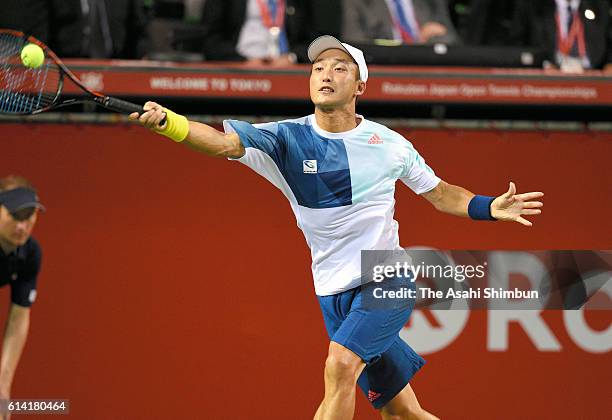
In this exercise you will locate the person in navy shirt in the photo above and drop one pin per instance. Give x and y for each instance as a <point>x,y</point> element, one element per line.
<point>20,260</point>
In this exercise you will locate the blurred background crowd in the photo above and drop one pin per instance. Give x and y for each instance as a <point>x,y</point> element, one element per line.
<point>569,34</point>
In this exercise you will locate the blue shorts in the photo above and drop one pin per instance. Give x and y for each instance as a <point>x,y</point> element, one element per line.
<point>373,334</point>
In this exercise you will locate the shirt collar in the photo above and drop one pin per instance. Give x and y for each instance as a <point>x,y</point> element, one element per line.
<point>342,135</point>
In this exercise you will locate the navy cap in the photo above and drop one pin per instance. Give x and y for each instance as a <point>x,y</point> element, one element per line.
<point>19,199</point>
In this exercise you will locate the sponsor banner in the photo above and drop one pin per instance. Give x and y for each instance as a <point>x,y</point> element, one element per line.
<point>189,84</point>
<point>492,90</point>
<point>409,85</point>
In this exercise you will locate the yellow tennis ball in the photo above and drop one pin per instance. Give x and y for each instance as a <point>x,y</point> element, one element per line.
<point>32,56</point>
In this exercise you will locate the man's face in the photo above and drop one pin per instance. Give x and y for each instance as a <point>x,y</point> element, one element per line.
<point>334,80</point>
<point>16,229</point>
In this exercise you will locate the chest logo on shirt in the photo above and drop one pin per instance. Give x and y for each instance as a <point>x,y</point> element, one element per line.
<point>309,166</point>
<point>14,276</point>
<point>375,139</point>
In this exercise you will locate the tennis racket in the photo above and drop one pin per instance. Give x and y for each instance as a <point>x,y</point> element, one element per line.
<point>27,91</point>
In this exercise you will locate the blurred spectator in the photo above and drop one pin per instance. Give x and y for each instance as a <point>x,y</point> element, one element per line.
<point>273,32</point>
<point>29,16</point>
<point>488,22</point>
<point>575,34</point>
<point>97,28</point>
<point>174,31</point>
<point>405,21</point>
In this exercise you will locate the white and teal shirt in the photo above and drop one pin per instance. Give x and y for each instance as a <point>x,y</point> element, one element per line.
<point>341,187</point>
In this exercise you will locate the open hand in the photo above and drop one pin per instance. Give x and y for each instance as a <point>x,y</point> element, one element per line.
<point>512,206</point>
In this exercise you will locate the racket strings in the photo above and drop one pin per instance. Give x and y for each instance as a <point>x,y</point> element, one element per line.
<point>24,90</point>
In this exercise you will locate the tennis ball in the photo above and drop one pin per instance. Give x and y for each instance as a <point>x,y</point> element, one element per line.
<point>32,56</point>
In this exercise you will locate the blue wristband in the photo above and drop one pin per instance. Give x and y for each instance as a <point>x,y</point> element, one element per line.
<point>480,208</point>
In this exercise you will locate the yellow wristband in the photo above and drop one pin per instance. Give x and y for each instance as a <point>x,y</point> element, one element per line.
<point>177,126</point>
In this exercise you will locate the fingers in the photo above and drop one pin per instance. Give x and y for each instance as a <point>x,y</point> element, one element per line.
<point>533,205</point>
<point>531,211</point>
<point>529,196</point>
<point>152,116</point>
<point>527,212</point>
<point>147,106</point>
<point>511,189</point>
<point>518,205</point>
<point>524,222</point>
<point>509,195</point>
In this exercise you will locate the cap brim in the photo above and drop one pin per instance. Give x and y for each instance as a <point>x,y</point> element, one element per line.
<point>324,43</point>
<point>22,206</point>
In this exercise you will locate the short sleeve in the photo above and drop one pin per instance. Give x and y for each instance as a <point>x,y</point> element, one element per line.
<point>263,137</point>
<point>266,150</point>
<point>418,176</point>
<point>23,289</point>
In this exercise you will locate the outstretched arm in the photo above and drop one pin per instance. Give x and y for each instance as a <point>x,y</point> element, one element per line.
<point>509,206</point>
<point>449,198</point>
<point>199,137</point>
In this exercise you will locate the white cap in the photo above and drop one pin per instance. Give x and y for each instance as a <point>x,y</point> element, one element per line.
<point>328,42</point>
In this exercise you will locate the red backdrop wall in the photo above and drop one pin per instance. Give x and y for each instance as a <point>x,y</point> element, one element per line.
<point>175,285</point>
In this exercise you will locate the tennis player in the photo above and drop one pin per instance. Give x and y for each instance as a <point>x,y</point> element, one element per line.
<point>338,171</point>
<point>20,258</point>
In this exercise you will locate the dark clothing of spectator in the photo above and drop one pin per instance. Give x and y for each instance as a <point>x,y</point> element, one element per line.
<point>28,16</point>
<point>98,28</point>
<point>490,23</point>
<point>535,25</point>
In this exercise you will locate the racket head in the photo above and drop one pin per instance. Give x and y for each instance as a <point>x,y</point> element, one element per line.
<point>25,90</point>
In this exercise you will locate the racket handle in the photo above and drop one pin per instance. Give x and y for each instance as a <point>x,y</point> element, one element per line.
<point>119,105</point>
